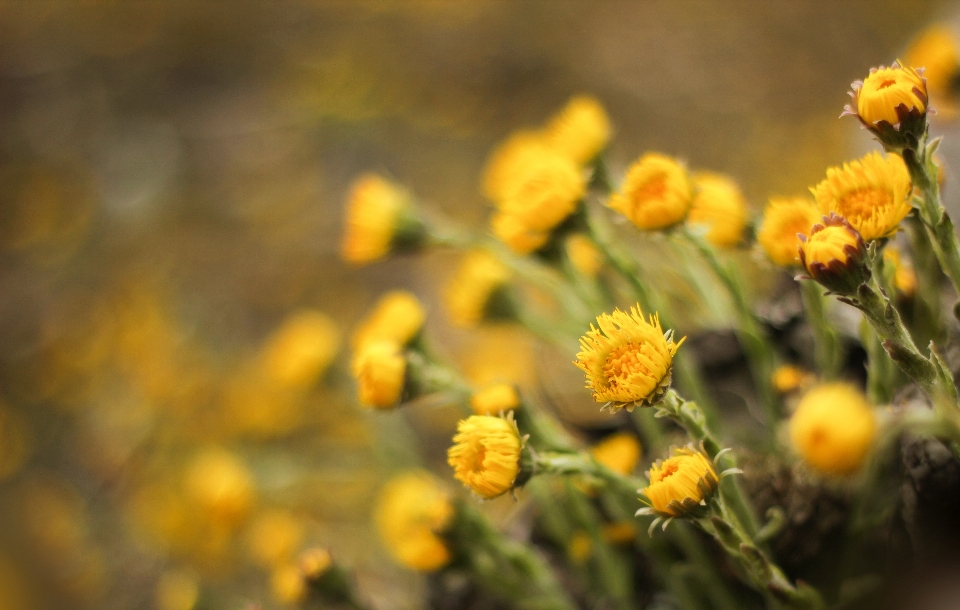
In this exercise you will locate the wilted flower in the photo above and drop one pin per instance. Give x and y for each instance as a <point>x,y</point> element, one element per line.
<point>783,220</point>
<point>494,399</point>
<point>719,207</point>
<point>656,193</point>
<point>580,131</point>
<point>485,455</point>
<point>380,370</point>
<point>469,294</point>
<point>628,361</point>
<point>374,217</point>
<point>833,428</point>
<point>411,513</point>
<point>619,452</point>
<point>680,485</point>
<point>398,316</point>
<point>834,255</point>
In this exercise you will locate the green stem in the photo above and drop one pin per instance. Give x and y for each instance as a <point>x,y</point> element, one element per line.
<point>827,348</point>
<point>928,317</point>
<point>880,368</point>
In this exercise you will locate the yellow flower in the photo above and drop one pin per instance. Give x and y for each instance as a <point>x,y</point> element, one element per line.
<point>493,400</point>
<point>719,207</point>
<point>834,255</point>
<point>904,277</point>
<point>372,214</point>
<point>628,361</point>
<point>301,349</point>
<point>380,370</point>
<point>580,547</point>
<point>314,562</point>
<point>468,294</point>
<point>679,484</point>
<point>878,97</point>
<point>274,537</point>
<point>833,428</point>
<point>219,482</point>
<point>788,378</point>
<point>584,255</point>
<point>936,50</point>
<point>621,532</point>
<point>287,584</point>
<point>832,244</point>
<point>873,194</point>
<point>515,234</point>
<point>398,316</point>
<point>619,452</point>
<point>580,130</point>
<point>546,194</point>
<point>783,220</point>
<point>411,512</point>
<point>508,163</point>
<point>485,455</point>
<point>656,193</point>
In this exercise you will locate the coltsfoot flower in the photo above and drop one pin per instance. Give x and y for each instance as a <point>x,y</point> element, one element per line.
<point>219,482</point>
<point>411,513</point>
<point>628,361</point>
<point>936,49</point>
<point>486,453</point>
<point>495,399</point>
<point>788,378</point>
<point>398,316</point>
<point>783,220</point>
<point>719,207</point>
<point>680,485</point>
<point>471,291</point>
<point>656,193</point>
<point>580,131</point>
<point>301,349</point>
<point>381,371</point>
<point>834,255</point>
<point>892,104</point>
<point>872,193</point>
<point>619,452</point>
<point>376,220</point>
<point>833,428</point>
<point>584,255</point>
<point>904,277</point>
<point>516,235</point>
<point>549,190</point>
<point>507,164</point>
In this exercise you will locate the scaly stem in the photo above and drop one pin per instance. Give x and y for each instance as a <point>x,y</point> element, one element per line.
<point>827,350</point>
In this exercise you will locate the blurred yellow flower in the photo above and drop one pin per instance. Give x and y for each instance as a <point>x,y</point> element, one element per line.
<point>411,512</point>
<point>872,193</point>
<point>788,378</point>
<point>548,191</point>
<point>719,207</point>
<point>679,483</point>
<point>784,219</point>
<point>508,162</point>
<point>273,537</point>
<point>885,89</point>
<point>620,532</point>
<point>656,193</point>
<point>904,277</point>
<point>584,255</point>
<point>219,482</point>
<point>314,562</point>
<point>485,455</point>
<point>177,590</point>
<point>494,399</point>
<point>380,370</point>
<point>833,428</point>
<point>580,131</point>
<point>287,584</point>
<point>298,352</point>
<point>936,50</point>
<point>469,292</point>
<point>515,234</point>
<point>619,452</point>
<point>628,361</point>
<point>580,547</point>
<point>398,316</point>
<point>373,211</point>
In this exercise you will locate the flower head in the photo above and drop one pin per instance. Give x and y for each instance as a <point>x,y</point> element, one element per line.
<point>584,255</point>
<point>834,255</point>
<point>219,482</point>
<point>485,455</point>
<point>513,232</point>
<point>301,349</point>
<point>889,94</point>
<point>936,50</point>
<point>380,370</point>
<point>548,191</point>
<point>681,484</point>
<point>508,163</point>
<point>373,213</point>
<point>495,399</point>
<point>619,452</point>
<point>788,378</point>
<point>469,294</point>
<point>656,193</point>
<point>783,220</point>
<point>580,130</point>
<point>719,207</point>
<point>628,361</point>
<point>833,428</point>
<point>411,512</point>
<point>398,316</point>
<point>872,193</point>
<point>274,537</point>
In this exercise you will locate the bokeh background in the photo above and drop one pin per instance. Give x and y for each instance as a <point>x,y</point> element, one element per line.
<point>171,182</point>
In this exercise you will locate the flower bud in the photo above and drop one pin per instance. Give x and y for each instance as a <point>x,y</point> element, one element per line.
<point>834,255</point>
<point>381,371</point>
<point>892,104</point>
<point>681,485</point>
<point>380,219</point>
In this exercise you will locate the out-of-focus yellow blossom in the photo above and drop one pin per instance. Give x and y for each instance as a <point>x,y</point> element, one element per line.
<point>485,455</point>
<point>788,378</point>
<point>498,353</point>
<point>621,532</point>
<point>936,50</point>
<point>398,316</point>
<point>628,361</point>
<point>879,95</point>
<point>515,234</point>
<point>508,162</point>
<point>177,590</point>
<point>314,562</point>
<point>273,537</point>
<point>468,294</point>
<point>380,370</point>
<point>580,547</point>
<point>872,193</point>
<point>493,400</point>
<point>904,277</point>
<point>287,584</point>
<point>679,483</point>
<point>783,219</point>
<point>719,207</point>
<point>584,255</point>
<point>619,452</point>
<point>301,349</point>
<point>16,442</point>
<point>219,482</point>
<point>656,193</point>
<point>833,428</point>
<point>546,194</point>
<point>411,512</point>
<point>373,212</point>
<point>580,131</point>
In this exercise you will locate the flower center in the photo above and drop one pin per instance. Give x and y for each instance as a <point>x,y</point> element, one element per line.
<point>864,203</point>
<point>887,81</point>
<point>654,188</point>
<point>623,362</point>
